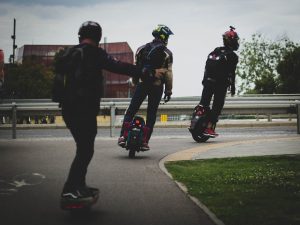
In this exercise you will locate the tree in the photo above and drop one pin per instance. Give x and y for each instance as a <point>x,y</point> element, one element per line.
<point>289,72</point>
<point>258,62</point>
<point>29,80</point>
<point>58,55</point>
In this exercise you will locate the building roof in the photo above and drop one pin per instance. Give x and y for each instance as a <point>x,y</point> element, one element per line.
<point>116,47</point>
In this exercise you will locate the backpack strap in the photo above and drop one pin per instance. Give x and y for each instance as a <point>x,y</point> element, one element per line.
<point>152,51</point>
<point>79,67</point>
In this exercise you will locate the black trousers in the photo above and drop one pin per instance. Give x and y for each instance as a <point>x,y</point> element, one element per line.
<point>83,128</point>
<point>211,89</point>
<point>154,94</point>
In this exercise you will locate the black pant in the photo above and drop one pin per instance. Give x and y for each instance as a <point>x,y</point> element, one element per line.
<point>219,92</point>
<point>83,128</point>
<point>154,94</point>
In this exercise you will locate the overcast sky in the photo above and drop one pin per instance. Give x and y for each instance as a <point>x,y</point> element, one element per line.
<point>197,26</point>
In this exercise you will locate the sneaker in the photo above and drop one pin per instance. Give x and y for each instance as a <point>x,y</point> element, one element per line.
<point>95,191</point>
<point>79,198</point>
<point>209,132</point>
<point>79,193</point>
<point>122,141</point>
<point>145,147</point>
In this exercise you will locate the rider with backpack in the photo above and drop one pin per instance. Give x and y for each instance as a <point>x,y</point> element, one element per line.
<point>218,76</point>
<point>153,55</point>
<point>78,88</point>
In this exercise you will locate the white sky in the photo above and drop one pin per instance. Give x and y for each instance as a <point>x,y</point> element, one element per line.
<point>197,25</point>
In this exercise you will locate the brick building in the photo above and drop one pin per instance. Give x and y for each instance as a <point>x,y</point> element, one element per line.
<point>116,86</point>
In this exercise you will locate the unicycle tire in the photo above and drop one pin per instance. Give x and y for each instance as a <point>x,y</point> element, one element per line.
<point>199,138</point>
<point>131,153</point>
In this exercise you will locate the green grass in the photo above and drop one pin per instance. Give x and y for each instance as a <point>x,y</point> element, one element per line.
<point>245,191</point>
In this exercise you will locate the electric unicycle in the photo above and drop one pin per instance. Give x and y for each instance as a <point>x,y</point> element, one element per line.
<point>79,204</point>
<point>135,136</point>
<point>199,123</point>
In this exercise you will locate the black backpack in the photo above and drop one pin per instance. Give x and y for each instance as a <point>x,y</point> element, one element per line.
<point>216,68</point>
<point>152,55</point>
<point>63,68</point>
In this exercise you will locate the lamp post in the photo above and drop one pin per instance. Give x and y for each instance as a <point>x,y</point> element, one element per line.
<point>12,57</point>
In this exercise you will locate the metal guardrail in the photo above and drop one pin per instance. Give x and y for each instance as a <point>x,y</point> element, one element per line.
<point>250,97</point>
<point>265,105</point>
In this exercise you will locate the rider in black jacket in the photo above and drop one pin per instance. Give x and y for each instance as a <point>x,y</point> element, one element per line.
<point>218,76</point>
<point>82,68</point>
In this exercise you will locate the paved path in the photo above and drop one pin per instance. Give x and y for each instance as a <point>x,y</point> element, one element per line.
<point>265,146</point>
<point>276,145</point>
<point>133,191</point>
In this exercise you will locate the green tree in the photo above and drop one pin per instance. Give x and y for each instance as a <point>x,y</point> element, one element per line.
<point>258,62</point>
<point>58,55</point>
<point>289,72</point>
<point>29,80</point>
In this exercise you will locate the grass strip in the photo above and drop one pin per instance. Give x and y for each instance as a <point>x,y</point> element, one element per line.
<point>262,190</point>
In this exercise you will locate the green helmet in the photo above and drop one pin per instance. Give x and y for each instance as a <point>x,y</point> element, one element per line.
<point>162,32</point>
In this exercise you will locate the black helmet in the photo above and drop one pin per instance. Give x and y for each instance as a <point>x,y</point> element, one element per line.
<point>162,32</point>
<point>90,29</point>
<point>231,39</point>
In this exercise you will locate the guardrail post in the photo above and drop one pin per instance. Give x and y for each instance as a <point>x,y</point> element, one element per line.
<point>112,119</point>
<point>257,117</point>
<point>14,120</point>
<point>269,117</point>
<point>298,118</point>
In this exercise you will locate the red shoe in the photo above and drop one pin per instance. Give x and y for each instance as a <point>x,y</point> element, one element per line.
<point>146,137</point>
<point>122,141</point>
<point>145,147</point>
<point>209,132</point>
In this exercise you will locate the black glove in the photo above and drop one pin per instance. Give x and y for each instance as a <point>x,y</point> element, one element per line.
<point>167,98</point>
<point>148,74</point>
<point>232,90</point>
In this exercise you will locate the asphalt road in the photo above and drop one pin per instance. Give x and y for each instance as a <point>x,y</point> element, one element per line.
<point>133,191</point>
<point>158,132</point>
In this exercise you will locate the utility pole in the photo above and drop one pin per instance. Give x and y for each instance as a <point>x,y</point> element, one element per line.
<point>12,57</point>
<point>104,72</point>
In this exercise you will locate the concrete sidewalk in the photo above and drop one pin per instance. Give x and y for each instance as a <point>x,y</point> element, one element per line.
<point>252,147</point>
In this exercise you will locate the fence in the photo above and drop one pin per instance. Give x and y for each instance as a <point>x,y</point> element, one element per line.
<point>243,105</point>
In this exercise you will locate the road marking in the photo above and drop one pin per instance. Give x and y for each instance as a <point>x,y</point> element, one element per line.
<point>18,181</point>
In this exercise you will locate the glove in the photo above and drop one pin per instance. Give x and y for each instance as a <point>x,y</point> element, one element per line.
<point>160,73</point>
<point>148,74</point>
<point>232,90</point>
<point>167,98</point>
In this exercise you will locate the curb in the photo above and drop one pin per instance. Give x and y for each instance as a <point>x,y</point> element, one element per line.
<point>183,188</point>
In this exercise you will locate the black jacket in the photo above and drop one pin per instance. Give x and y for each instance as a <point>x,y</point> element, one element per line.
<point>157,55</point>
<point>220,67</point>
<point>82,66</point>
